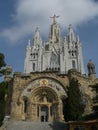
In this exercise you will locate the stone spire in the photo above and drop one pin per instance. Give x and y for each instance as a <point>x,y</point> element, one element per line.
<point>27,65</point>
<point>28,46</point>
<point>71,34</point>
<point>73,48</point>
<point>37,38</point>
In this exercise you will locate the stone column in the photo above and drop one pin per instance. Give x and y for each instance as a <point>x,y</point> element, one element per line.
<point>49,117</point>
<point>39,112</point>
<point>30,111</point>
<point>36,113</point>
<point>61,111</point>
<point>23,114</point>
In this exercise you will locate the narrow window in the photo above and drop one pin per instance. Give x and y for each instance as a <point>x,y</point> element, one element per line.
<point>38,111</point>
<point>33,66</point>
<point>73,64</point>
<point>34,55</point>
<point>25,106</point>
<point>51,110</point>
<point>72,53</point>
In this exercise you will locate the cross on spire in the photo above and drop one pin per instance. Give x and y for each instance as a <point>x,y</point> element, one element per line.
<point>54,18</point>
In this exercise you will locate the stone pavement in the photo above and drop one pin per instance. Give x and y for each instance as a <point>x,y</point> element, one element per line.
<point>22,125</point>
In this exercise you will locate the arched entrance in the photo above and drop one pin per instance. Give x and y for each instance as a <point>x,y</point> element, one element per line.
<point>46,105</point>
<point>44,101</point>
<point>44,113</point>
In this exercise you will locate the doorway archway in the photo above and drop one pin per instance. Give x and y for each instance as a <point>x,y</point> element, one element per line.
<point>44,113</point>
<point>48,104</point>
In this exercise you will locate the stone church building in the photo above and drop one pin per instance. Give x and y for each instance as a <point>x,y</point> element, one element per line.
<point>38,93</point>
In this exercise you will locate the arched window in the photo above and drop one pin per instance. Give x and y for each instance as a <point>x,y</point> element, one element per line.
<point>58,68</point>
<point>34,55</point>
<point>52,69</point>
<point>73,64</point>
<point>72,53</point>
<point>33,66</point>
<point>49,69</point>
<point>38,111</point>
<point>55,69</point>
<point>51,110</point>
<point>25,105</point>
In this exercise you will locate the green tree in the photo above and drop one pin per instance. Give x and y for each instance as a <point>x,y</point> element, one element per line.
<point>2,64</point>
<point>4,91</point>
<point>73,105</point>
<point>94,115</point>
<point>95,101</point>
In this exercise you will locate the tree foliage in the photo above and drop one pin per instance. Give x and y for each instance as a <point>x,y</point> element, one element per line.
<point>94,115</point>
<point>95,101</point>
<point>4,90</point>
<point>73,105</point>
<point>2,63</point>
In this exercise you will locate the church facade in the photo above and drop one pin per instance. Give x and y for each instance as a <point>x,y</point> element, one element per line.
<point>38,93</point>
<point>57,54</point>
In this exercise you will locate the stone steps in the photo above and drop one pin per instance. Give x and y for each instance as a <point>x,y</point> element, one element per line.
<point>22,125</point>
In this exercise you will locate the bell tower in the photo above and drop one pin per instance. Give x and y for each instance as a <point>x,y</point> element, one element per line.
<point>34,54</point>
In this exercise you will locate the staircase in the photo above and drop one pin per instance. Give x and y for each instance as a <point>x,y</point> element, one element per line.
<point>22,125</point>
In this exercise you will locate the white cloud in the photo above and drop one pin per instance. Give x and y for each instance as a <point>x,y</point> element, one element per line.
<point>32,13</point>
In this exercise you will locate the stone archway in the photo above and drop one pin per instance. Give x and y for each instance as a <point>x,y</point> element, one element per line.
<point>44,92</point>
<point>44,113</point>
<point>46,105</point>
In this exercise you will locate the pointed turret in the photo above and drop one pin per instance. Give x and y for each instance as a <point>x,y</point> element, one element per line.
<point>27,65</point>
<point>74,58</point>
<point>71,34</point>
<point>37,38</point>
<point>28,46</point>
<point>36,51</point>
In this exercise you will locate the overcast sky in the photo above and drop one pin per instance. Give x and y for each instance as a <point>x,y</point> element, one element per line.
<point>19,19</point>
